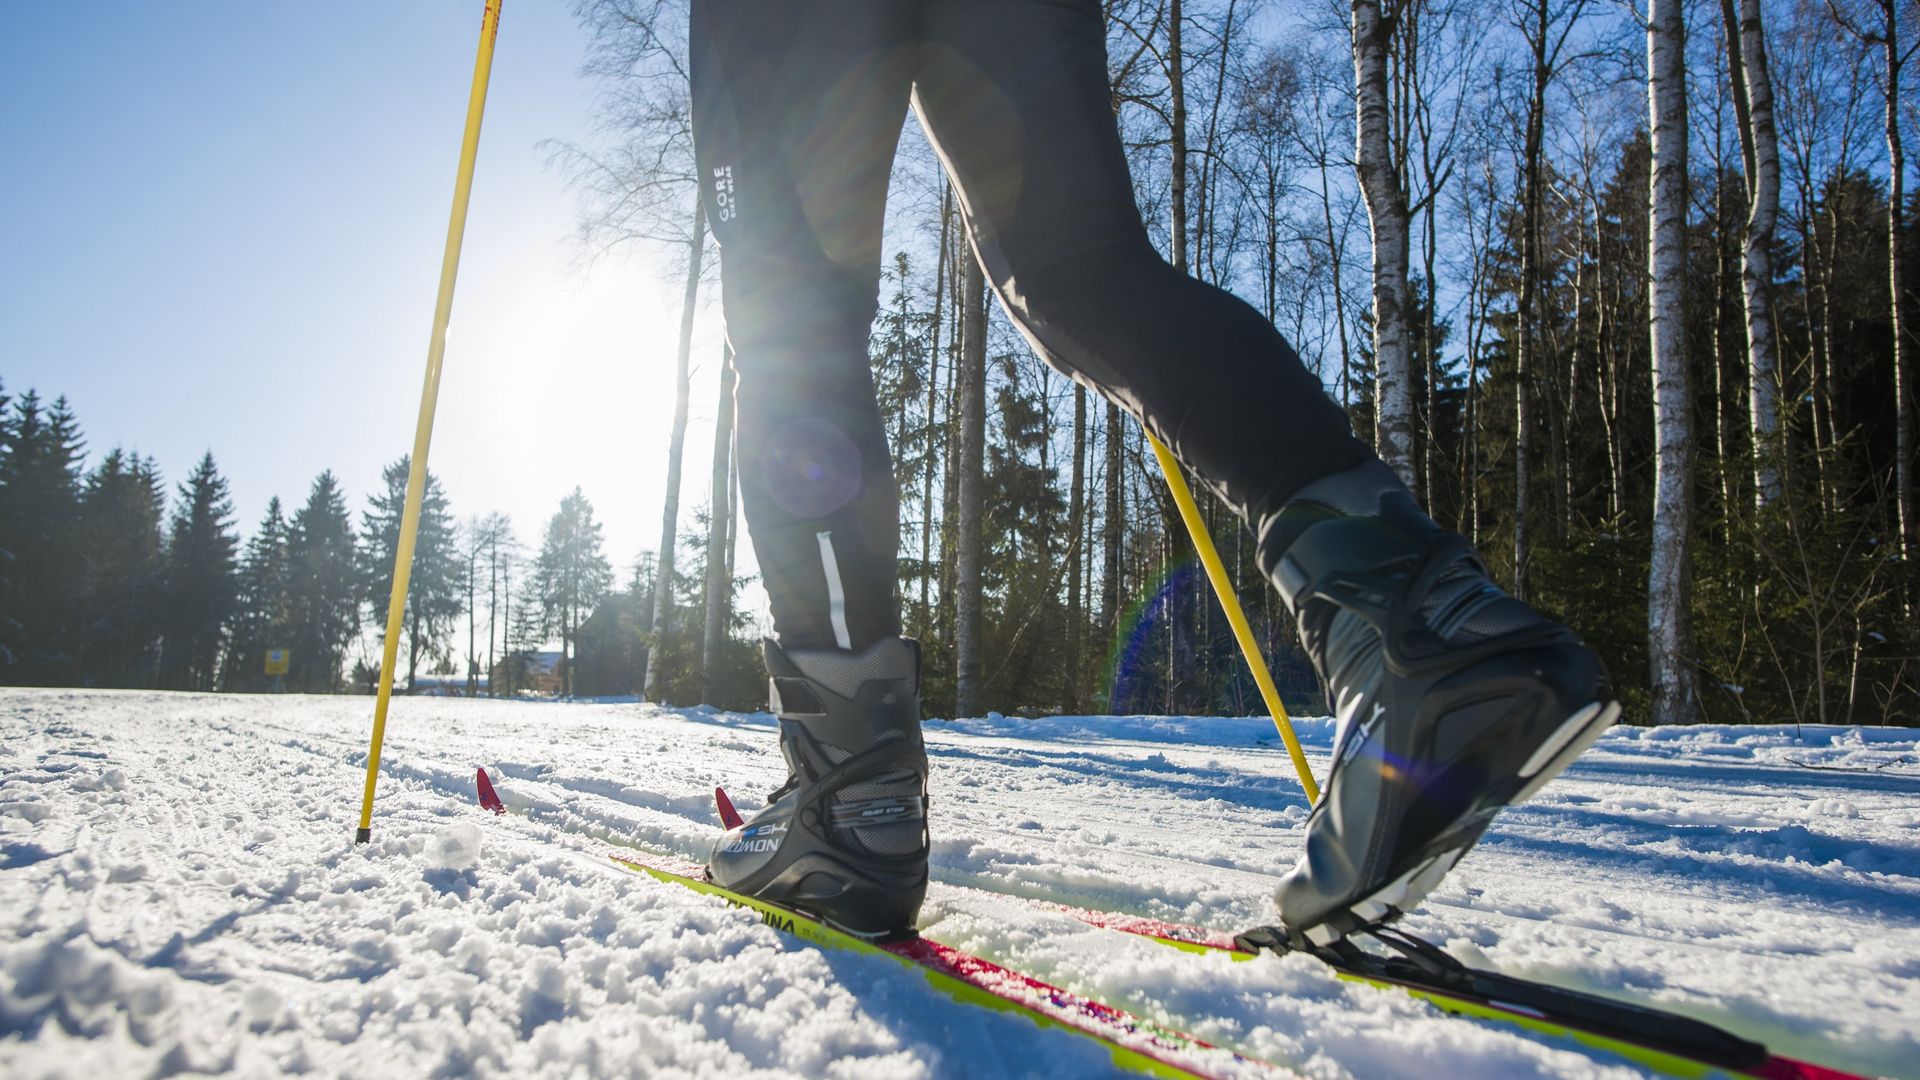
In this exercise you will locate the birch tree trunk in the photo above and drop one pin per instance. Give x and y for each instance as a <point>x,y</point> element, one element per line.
<point>1669,628</point>
<point>493,591</point>
<point>473,615</point>
<point>1896,274</point>
<point>1076,515</point>
<point>950,460</point>
<point>932,439</point>
<point>719,594</point>
<point>1722,279</point>
<point>657,619</point>
<point>1476,321</point>
<point>1527,343</point>
<point>1816,314</point>
<point>1380,183</point>
<point>733,508</point>
<point>506,626</point>
<point>973,432</point>
<point>1172,529</point>
<point>1760,147</point>
<point>1177,136</point>
<point>1111,523</point>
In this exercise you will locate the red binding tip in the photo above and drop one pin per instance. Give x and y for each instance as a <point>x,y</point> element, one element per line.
<point>489,799</point>
<point>728,815</point>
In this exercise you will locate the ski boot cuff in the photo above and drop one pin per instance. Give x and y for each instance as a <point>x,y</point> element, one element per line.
<point>1369,492</point>
<point>847,698</point>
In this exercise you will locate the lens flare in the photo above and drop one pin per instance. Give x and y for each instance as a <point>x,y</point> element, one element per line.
<point>1152,608</point>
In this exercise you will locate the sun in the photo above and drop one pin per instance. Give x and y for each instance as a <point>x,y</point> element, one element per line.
<point>557,378</point>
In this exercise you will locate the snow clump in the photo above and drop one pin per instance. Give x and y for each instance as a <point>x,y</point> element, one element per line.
<point>456,847</point>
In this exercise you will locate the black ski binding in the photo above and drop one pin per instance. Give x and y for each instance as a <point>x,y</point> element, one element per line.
<point>1419,965</point>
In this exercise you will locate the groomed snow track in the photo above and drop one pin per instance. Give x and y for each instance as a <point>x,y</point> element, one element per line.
<point>179,892</point>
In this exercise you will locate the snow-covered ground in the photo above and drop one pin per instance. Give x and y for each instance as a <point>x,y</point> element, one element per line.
<point>179,892</point>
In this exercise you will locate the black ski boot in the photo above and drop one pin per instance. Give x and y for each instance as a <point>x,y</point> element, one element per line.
<point>1454,699</point>
<point>846,836</point>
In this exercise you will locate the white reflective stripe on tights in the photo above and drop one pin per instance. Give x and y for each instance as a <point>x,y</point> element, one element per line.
<point>836,596</point>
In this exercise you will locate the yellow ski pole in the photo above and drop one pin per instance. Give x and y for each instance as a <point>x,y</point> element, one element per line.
<point>1236,618</point>
<point>429,395</point>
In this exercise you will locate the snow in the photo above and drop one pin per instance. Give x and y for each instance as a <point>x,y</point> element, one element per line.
<point>179,893</point>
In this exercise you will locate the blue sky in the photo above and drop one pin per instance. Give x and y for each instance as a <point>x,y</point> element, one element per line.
<point>221,226</point>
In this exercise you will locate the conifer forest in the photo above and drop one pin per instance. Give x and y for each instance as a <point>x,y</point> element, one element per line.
<point>1625,293</point>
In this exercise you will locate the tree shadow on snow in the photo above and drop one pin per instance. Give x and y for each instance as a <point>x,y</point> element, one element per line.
<point>1774,880</point>
<point>1722,776</point>
<point>1263,791</point>
<point>15,856</point>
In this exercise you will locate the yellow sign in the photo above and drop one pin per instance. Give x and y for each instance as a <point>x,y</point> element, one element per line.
<point>276,661</point>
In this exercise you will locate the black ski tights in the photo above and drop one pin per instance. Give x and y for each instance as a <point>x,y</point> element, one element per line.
<point>797,107</point>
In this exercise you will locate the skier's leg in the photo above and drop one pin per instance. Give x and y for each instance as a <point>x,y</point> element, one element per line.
<point>1455,699</point>
<point>797,108</point>
<point>1015,96</point>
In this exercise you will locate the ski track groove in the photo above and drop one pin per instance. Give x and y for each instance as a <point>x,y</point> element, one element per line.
<point>179,893</point>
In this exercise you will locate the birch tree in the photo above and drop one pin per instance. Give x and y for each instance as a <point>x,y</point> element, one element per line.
<point>1112,521</point>
<point>1076,516</point>
<point>1177,133</point>
<point>1752,79</point>
<point>660,616</point>
<point>973,434</point>
<point>930,423</point>
<point>1386,196</point>
<point>1669,627</point>
<point>719,582</point>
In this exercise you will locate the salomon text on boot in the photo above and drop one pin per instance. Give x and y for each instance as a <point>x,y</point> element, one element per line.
<point>846,836</point>
<point>1454,699</point>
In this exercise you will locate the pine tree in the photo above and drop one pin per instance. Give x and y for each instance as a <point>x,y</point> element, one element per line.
<point>8,623</point>
<point>434,586</point>
<point>202,581</point>
<point>571,575</point>
<point>1021,568</point>
<point>266,604</point>
<point>122,572</point>
<point>324,588</point>
<point>901,353</point>
<point>39,561</point>
<point>524,630</point>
